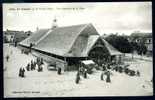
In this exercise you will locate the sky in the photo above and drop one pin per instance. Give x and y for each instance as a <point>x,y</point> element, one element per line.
<point>107,17</point>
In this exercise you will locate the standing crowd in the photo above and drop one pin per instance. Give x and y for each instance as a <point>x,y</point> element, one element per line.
<point>81,72</point>
<point>33,65</point>
<point>106,73</point>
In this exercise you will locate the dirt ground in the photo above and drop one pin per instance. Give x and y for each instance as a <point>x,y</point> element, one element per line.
<point>50,84</point>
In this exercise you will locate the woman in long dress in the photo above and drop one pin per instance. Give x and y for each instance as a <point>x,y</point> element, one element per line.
<point>23,72</point>
<point>108,80</point>
<point>20,72</point>
<point>102,74</point>
<point>77,78</point>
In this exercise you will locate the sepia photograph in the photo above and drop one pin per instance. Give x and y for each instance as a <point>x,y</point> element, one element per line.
<point>79,49</point>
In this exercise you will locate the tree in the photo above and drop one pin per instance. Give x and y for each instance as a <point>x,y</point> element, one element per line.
<point>141,49</point>
<point>120,42</point>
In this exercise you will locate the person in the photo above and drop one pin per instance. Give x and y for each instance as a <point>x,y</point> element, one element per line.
<point>77,78</point>
<point>85,73</point>
<point>31,65</point>
<point>108,80</point>
<point>59,71</point>
<point>7,58</point>
<point>15,43</point>
<point>116,68</point>
<point>120,69</point>
<point>108,66</point>
<point>102,74</point>
<point>41,67</point>
<point>132,73</point>
<point>38,68</point>
<point>28,67</point>
<point>80,70</point>
<point>126,70</point>
<point>23,72</point>
<point>20,72</point>
<point>138,73</point>
<point>103,67</point>
<point>41,61</point>
<point>34,65</point>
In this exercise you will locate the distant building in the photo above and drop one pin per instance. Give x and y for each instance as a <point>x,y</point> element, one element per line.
<point>145,38</point>
<point>12,36</point>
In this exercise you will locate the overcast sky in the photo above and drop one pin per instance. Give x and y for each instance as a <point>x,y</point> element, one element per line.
<point>122,17</point>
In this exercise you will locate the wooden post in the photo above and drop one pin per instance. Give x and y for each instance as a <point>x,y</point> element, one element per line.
<point>66,65</point>
<point>55,60</point>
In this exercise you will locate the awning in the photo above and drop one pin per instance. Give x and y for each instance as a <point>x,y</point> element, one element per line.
<point>87,62</point>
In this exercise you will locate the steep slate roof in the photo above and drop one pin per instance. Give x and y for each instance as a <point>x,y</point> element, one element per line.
<point>60,40</point>
<point>34,38</point>
<point>111,49</point>
<point>20,36</point>
<point>70,41</point>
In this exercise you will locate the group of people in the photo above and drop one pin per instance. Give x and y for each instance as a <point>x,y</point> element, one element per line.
<point>107,68</point>
<point>106,72</point>
<point>81,71</point>
<point>126,70</point>
<point>21,72</point>
<point>33,65</point>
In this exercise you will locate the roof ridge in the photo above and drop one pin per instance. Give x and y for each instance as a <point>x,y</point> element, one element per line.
<point>66,26</point>
<point>72,25</point>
